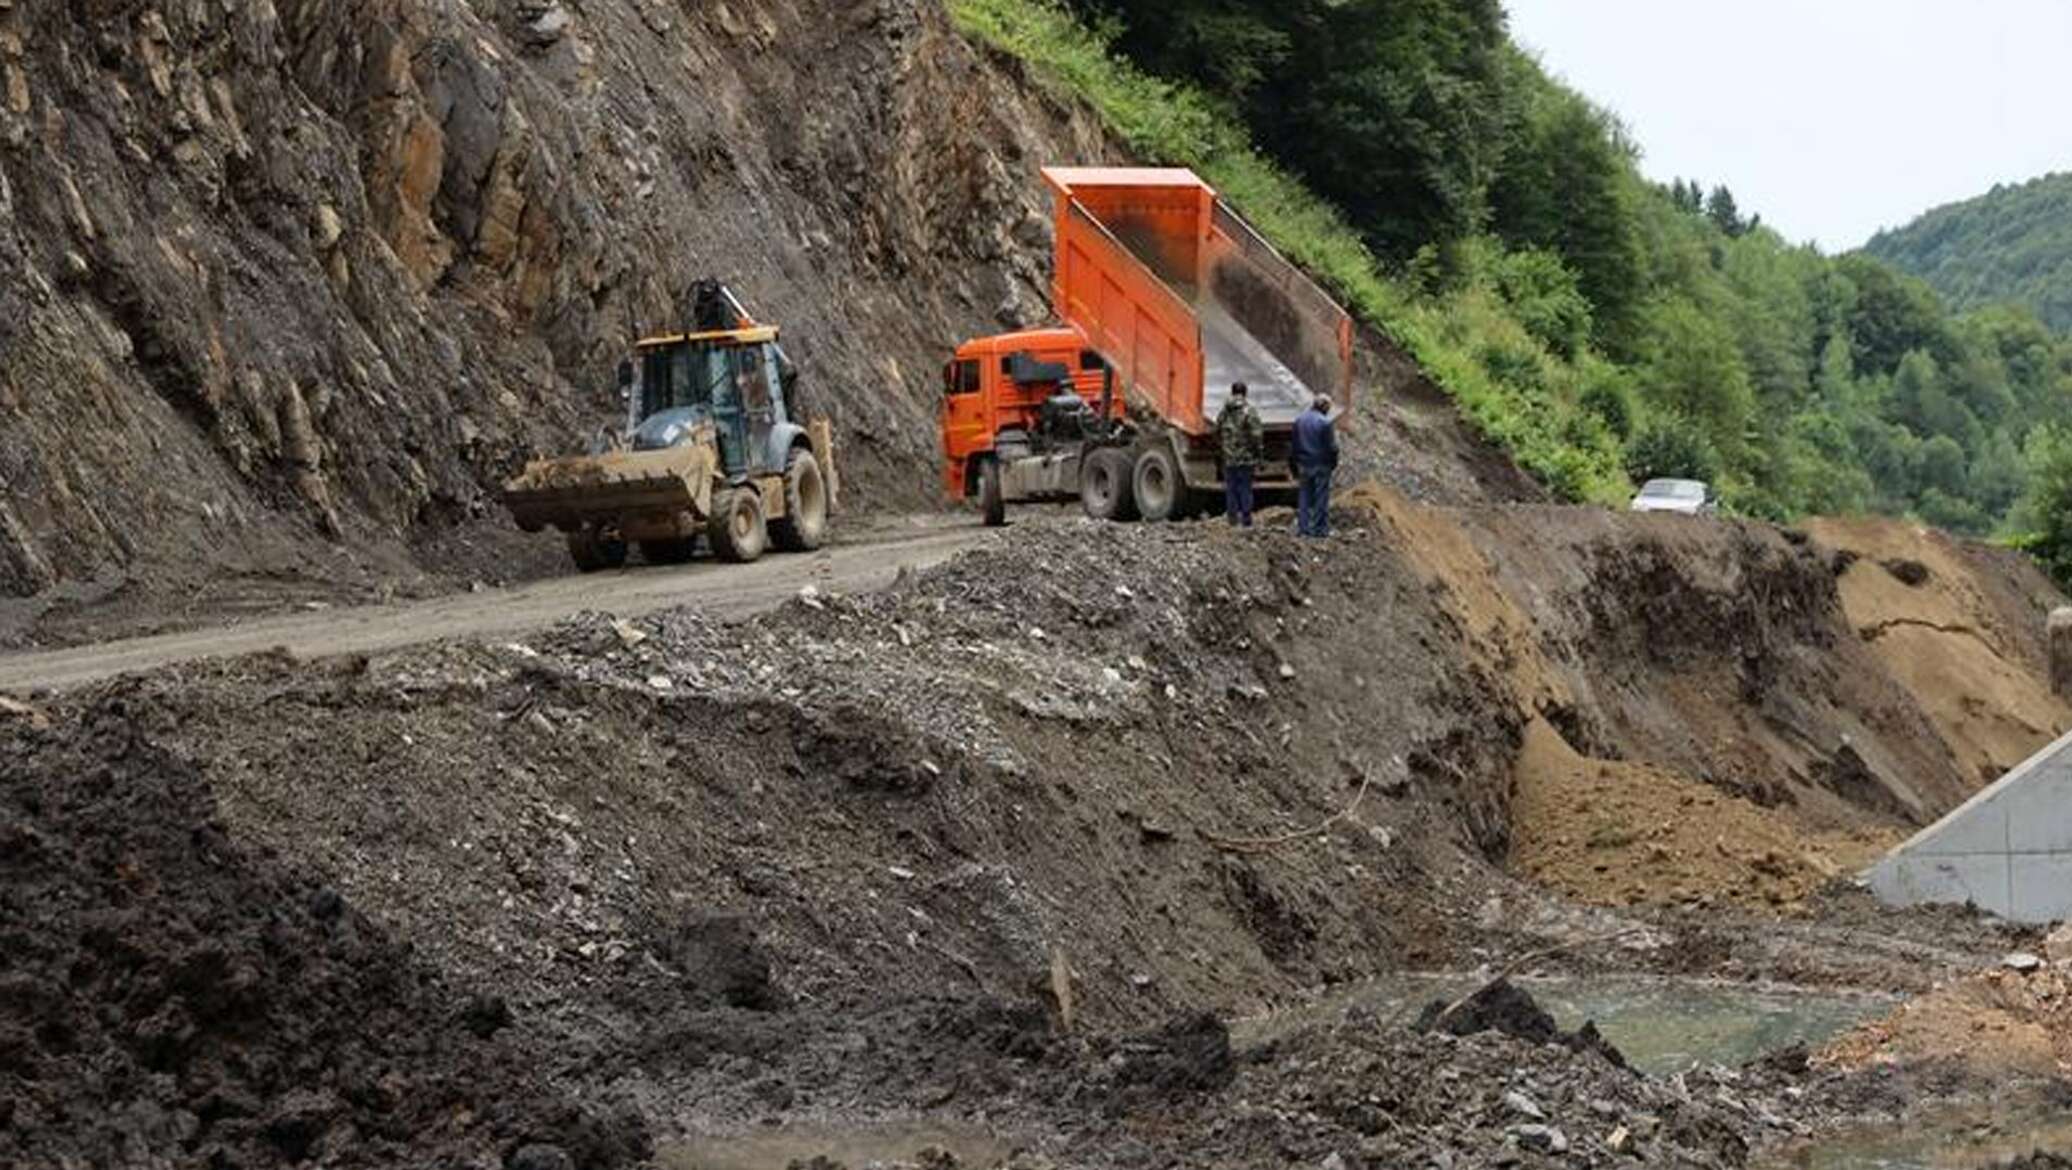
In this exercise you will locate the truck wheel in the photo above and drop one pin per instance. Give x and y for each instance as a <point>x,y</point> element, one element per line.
<point>804,526</point>
<point>736,530</point>
<point>992,498</point>
<point>1104,485</point>
<point>1161,493</point>
<point>668,552</point>
<point>593,553</point>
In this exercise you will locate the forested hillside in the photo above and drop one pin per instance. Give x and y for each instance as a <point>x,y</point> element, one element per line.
<point>1493,221</point>
<point>2013,244</point>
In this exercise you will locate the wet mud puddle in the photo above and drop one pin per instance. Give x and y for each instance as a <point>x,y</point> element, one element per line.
<point>1663,1026</point>
<point>1941,1139</point>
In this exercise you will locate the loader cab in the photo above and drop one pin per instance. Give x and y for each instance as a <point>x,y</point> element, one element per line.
<point>734,380</point>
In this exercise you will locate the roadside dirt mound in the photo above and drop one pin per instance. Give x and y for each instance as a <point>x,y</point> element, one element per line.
<point>169,995</point>
<point>1961,627</point>
<point>1621,833</point>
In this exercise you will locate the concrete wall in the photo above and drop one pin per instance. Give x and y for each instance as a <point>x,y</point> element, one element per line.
<point>2007,850</point>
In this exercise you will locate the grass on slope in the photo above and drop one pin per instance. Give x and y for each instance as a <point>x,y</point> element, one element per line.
<point>1175,124</point>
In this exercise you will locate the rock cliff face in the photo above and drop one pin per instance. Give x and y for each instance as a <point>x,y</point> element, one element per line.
<point>290,283</point>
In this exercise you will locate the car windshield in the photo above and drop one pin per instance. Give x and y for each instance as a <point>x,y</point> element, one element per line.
<point>1673,489</point>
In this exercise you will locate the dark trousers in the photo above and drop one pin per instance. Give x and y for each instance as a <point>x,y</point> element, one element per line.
<point>1313,506</point>
<point>1237,495</point>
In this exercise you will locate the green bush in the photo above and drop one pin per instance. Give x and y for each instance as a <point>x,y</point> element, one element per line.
<point>1608,393</point>
<point>1672,448</point>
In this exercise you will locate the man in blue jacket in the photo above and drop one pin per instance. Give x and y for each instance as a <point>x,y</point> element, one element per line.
<point>1314,458</point>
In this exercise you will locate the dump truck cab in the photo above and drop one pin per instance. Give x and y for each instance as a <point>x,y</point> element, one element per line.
<point>1005,397</point>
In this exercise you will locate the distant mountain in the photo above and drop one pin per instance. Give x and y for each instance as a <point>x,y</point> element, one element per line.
<point>2011,244</point>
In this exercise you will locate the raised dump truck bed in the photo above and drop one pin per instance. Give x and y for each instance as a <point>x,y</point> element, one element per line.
<point>1184,298</point>
<point>1166,298</point>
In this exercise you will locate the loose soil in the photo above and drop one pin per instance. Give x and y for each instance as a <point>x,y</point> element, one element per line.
<point>170,995</point>
<point>1620,833</point>
<point>1956,623</point>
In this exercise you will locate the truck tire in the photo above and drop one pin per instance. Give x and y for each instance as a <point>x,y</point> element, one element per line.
<point>804,525</point>
<point>992,498</point>
<point>594,553</point>
<point>737,531</point>
<point>1161,493</point>
<point>1104,485</point>
<point>669,552</point>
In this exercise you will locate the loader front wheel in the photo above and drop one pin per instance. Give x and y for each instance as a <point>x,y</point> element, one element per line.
<point>594,552</point>
<point>804,526</point>
<point>1104,485</point>
<point>992,498</point>
<point>737,530</point>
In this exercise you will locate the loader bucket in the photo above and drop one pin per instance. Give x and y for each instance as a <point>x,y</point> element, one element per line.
<point>617,488</point>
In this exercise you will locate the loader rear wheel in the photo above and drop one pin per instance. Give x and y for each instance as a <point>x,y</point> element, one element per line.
<point>992,498</point>
<point>669,552</point>
<point>1104,485</point>
<point>594,553</point>
<point>1160,492</point>
<point>804,526</point>
<point>737,530</point>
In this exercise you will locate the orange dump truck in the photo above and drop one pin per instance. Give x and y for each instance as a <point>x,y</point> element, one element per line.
<point>1166,298</point>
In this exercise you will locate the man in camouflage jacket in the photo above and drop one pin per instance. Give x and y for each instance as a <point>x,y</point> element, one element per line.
<point>1242,438</point>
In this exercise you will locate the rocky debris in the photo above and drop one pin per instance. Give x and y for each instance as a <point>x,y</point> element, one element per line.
<point>2022,962</point>
<point>14,709</point>
<point>835,867</point>
<point>1503,1006</point>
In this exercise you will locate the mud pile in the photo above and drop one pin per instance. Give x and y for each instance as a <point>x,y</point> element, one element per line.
<point>171,994</point>
<point>1621,833</point>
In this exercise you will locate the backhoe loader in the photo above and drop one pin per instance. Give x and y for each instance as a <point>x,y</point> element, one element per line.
<point>713,444</point>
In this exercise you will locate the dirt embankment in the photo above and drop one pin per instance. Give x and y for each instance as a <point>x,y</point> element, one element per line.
<point>1727,710</point>
<point>1956,624</point>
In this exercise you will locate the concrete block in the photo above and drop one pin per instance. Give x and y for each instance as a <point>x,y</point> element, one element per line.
<point>1920,879</point>
<point>2042,887</point>
<point>1982,828</point>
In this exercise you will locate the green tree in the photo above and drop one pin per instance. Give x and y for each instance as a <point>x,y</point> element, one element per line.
<point>1567,185</point>
<point>1693,369</point>
<point>1724,213</point>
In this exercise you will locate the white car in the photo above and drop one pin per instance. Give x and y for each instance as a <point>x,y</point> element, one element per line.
<point>1688,496</point>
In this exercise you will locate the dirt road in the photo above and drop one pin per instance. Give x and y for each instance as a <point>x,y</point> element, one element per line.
<point>723,590</point>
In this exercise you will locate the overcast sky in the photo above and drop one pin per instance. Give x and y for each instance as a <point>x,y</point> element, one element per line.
<point>1832,118</point>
